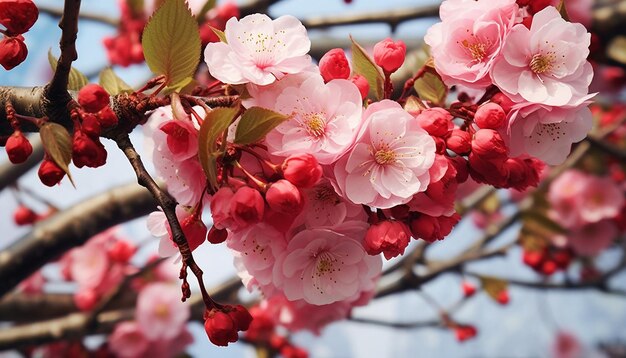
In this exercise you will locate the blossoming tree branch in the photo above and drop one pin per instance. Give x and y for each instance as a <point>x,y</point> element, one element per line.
<point>313,172</point>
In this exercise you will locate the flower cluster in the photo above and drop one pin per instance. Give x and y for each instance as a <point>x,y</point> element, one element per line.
<point>18,16</point>
<point>309,180</point>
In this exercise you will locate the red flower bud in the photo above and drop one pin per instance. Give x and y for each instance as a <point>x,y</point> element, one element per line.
<point>122,251</point>
<point>284,197</point>
<point>247,206</point>
<point>533,258</point>
<point>431,229</point>
<point>241,317</point>
<point>13,51</point>
<point>361,83</point>
<point>523,172</point>
<point>562,258</point>
<point>488,144</point>
<point>107,117</point>
<point>302,170</point>
<point>548,267</point>
<point>389,237</point>
<point>262,326</point>
<point>24,216</point>
<point>220,328</point>
<point>459,142</point>
<point>334,65</point>
<point>503,297</point>
<point>290,351</point>
<point>18,16</point>
<point>18,148</point>
<point>93,98</point>
<point>85,299</point>
<point>49,172</point>
<point>87,152</point>
<point>490,116</point>
<point>468,289</point>
<point>217,236</point>
<point>389,55</point>
<point>505,102</point>
<point>463,333</point>
<point>278,342</point>
<point>436,121</point>
<point>91,125</point>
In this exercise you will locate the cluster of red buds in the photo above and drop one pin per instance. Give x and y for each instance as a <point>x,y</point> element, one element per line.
<point>548,260</point>
<point>223,323</point>
<point>17,16</point>
<point>262,330</point>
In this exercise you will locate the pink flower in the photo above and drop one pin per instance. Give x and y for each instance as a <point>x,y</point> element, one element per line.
<point>128,341</point>
<point>259,50</point>
<point>592,239</point>
<point>601,199</point>
<point>181,139</point>
<point>390,161</point>
<point>89,265</point>
<point>173,347</point>
<point>547,132</point>
<point>439,197</point>
<point>300,315</point>
<point>302,170</point>
<point>324,266</point>
<point>284,197</point>
<point>160,312</point>
<point>546,64</point>
<point>325,208</point>
<point>334,65</point>
<point>246,207</point>
<point>563,197</point>
<point>258,248</point>
<point>325,119</point>
<point>566,345</point>
<point>469,38</point>
<point>389,55</point>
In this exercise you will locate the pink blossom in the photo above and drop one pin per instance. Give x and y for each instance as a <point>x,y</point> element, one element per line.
<point>325,208</point>
<point>439,197</point>
<point>300,315</point>
<point>469,38</point>
<point>89,265</point>
<point>325,119</point>
<point>173,347</point>
<point>563,197</point>
<point>259,50</point>
<point>128,341</point>
<point>181,139</point>
<point>389,55</point>
<point>390,161</point>
<point>257,247</point>
<point>601,199</point>
<point>324,266</point>
<point>566,345</point>
<point>592,239</point>
<point>547,132</point>
<point>160,312</point>
<point>546,64</point>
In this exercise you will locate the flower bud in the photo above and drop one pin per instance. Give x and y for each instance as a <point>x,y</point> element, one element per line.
<point>262,326</point>
<point>91,125</point>
<point>24,216</point>
<point>459,142</point>
<point>334,65</point>
<point>503,297</point>
<point>431,229</point>
<point>523,172</point>
<point>463,333</point>
<point>18,148</point>
<point>389,55</point>
<point>122,251</point>
<point>389,237</point>
<point>490,116</point>
<point>247,206</point>
<point>533,258</point>
<point>468,289</point>
<point>291,351</point>
<point>85,299</point>
<point>220,328</point>
<point>436,121</point>
<point>241,317</point>
<point>195,231</point>
<point>217,236</point>
<point>13,51</point>
<point>49,172</point>
<point>488,144</point>
<point>361,83</point>
<point>18,16</point>
<point>302,170</point>
<point>93,98</point>
<point>284,197</point>
<point>505,102</point>
<point>87,152</point>
<point>548,267</point>
<point>107,117</point>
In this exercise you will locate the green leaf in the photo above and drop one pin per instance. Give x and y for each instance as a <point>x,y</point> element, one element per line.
<point>431,88</point>
<point>112,83</point>
<point>206,8</point>
<point>219,33</point>
<point>57,143</point>
<point>540,218</point>
<point>363,65</point>
<point>171,42</point>
<point>215,123</point>
<point>616,50</point>
<point>255,123</point>
<point>76,79</point>
<point>563,10</point>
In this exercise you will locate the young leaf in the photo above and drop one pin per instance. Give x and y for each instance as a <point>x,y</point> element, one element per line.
<point>563,10</point>
<point>215,123</point>
<point>220,34</point>
<point>431,88</point>
<point>58,145</point>
<point>112,83</point>
<point>493,286</point>
<point>363,65</point>
<point>76,79</point>
<point>171,42</point>
<point>255,123</point>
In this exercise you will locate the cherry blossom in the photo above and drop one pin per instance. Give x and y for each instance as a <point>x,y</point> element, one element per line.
<point>160,313</point>
<point>390,161</point>
<point>546,64</point>
<point>128,340</point>
<point>259,50</point>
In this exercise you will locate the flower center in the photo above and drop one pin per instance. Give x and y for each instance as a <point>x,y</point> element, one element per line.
<point>325,263</point>
<point>541,63</point>
<point>327,195</point>
<point>385,156</point>
<point>476,50</point>
<point>161,311</point>
<point>315,125</point>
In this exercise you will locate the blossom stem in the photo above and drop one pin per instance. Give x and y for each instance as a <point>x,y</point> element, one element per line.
<point>258,182</point>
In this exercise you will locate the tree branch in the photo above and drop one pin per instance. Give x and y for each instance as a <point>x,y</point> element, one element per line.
<point>55,12</point>
<point>69,27</point>
<point>393,18</point>
<point>70,228</point>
